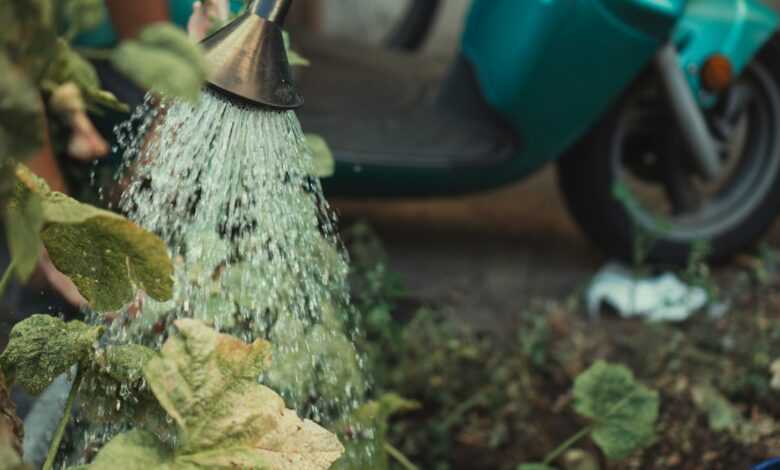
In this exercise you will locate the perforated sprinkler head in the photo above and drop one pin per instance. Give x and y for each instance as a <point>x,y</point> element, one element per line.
<point>247,58</point>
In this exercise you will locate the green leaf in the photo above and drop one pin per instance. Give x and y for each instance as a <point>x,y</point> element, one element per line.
<point>136,449</point>
<point>207,383</point>
<point>126,363</point>
<point>67,65</point>
<point>369,451</point>
<point>22,120</point>
<point>623,411</point>
<point>102,98</point>
<point>82,15</point>
<point>323,163</point>
<point>721,414</point>
<point>28,34</point>
<point>534,466</point>
<point>106,256</point>
<point>24,220</point>
<point>295,59</point>
<point>43,347</point>
<point>165,60</point>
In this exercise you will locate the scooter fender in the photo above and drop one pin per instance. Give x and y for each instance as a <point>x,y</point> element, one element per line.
<point>736,29</point>
<point>551,68</point>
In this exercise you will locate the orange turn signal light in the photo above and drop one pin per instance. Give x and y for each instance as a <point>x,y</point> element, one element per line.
<point>717,73</point>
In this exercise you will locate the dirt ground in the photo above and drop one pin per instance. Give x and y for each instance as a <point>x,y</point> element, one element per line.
<point>486,256</point>
<point>509,262</point>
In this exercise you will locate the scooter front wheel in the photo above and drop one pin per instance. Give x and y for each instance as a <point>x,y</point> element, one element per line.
<point>637,193</point>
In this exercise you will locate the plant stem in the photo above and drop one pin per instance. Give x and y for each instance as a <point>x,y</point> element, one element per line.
<point>400,457</point>
<point>55,443</point>
<point>565,446</point>
<point>6,277</point>
<point>94,54</point>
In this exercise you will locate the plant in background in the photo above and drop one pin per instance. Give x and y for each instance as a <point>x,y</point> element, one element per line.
<point>204,381</point>
<point>207,383</point>
<point>623,413</point>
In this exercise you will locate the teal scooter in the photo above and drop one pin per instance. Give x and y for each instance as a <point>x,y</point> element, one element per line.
<point>662,115</point>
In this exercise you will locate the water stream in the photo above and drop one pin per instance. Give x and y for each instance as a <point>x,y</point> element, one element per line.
<point>229,188</point>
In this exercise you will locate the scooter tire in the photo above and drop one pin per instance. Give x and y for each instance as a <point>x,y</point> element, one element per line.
<point>586,179</point>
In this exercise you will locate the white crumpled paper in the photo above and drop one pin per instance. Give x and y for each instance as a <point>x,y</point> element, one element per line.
<point>659,298</point>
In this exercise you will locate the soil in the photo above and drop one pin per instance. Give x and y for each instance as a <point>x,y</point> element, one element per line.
<point>510,266</point>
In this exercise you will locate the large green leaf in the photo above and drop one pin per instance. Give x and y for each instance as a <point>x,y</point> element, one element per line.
<point>207,383</point>
<point>43,347</point>
<point>623,411</point>
<point>106,255</point>
<point>118,372</point>
<point>323,163</point>
<point>24,220</point>
<point>165,60</point>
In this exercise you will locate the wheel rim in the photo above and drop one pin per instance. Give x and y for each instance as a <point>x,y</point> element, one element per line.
<point>657,182</point>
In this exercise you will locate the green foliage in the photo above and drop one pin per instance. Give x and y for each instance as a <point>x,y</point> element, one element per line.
<point>105,255</point>
<point>28,34</point>
<point>43,347</point>
<point>117,372</point>
<point>295,59</point>
<point>534,466</point>
<point>25,209</point>
<point>126,363</point>
<point>82,15</point>
<point>323,163</point>
<point>721,414</point>
<point>21,121</point>
<point>207,384</point>
<point>623,411</point>
<point>67,66</point>
<point>369,451</point>
<point>163,59</point>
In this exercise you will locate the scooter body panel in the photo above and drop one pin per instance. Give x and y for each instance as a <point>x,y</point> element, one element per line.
<point>552,67</point>
<point>736,29</point>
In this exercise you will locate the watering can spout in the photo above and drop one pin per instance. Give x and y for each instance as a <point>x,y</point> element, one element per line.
<point>247,58</point>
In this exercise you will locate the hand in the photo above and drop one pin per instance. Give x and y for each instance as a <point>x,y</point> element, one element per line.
<point>60,282</point>
<point>206,16</point>
<point>86,143</point>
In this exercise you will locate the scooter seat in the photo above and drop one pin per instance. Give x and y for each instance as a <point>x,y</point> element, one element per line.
<point>380,107</point>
